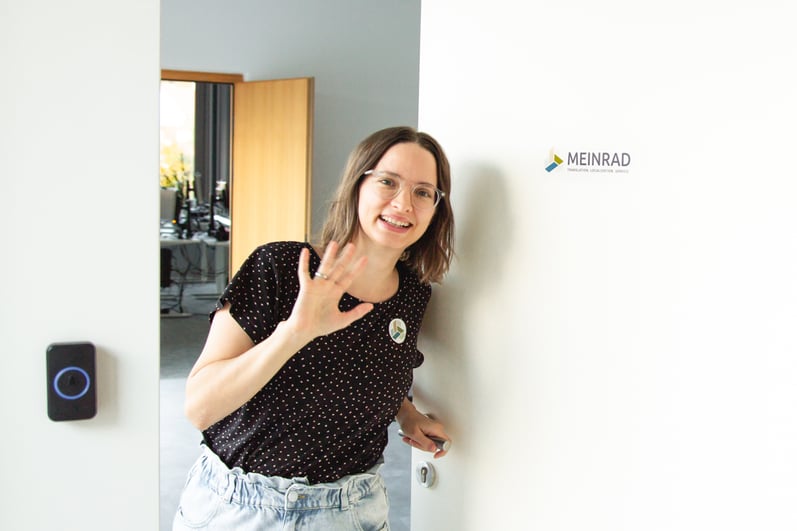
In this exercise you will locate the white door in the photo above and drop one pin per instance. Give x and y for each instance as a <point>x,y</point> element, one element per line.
<point>79,153</point>
<point>615,346</point>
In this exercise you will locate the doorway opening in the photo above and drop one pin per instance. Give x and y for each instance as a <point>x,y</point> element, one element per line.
<point>194,179</point>
<point>195,227</point>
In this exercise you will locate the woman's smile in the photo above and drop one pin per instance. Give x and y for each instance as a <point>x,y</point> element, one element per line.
<point>395,223</point>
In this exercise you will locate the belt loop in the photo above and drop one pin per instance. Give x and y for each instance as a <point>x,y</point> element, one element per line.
<point>230,494</point>
<point>344,496</point>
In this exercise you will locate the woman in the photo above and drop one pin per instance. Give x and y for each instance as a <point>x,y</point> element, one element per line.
<point>303,371</point>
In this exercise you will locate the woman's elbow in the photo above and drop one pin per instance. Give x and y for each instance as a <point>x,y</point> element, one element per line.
<point>196,414</point>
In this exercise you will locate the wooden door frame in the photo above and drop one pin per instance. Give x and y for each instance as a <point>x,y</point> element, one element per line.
<point>200,77</point>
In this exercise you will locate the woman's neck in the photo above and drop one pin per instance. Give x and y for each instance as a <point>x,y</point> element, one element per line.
<point>379,281</point>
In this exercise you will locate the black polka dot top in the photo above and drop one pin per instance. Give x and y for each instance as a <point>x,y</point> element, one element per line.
<point>325,414</point>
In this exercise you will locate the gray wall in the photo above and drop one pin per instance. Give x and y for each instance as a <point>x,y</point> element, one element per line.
<point>363,55</point>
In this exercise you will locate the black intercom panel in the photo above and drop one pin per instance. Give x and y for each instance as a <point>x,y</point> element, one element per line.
<point>71,381</point>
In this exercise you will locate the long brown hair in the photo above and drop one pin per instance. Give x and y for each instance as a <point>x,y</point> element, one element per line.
<point>429,257</point>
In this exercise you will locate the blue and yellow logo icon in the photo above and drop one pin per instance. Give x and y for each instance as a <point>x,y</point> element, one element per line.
<point>553,165</point>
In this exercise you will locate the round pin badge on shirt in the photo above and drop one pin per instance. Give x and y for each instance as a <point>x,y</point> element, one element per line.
<point>398,330</point>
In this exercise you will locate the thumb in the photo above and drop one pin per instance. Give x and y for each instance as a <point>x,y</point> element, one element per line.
<point>358,312</point>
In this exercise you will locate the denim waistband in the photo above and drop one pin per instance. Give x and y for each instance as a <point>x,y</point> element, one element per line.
<point>236,486</point>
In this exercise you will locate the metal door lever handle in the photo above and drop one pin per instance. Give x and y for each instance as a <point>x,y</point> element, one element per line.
<point>442,444</point>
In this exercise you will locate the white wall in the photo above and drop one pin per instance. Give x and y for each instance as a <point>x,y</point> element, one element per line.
<point>614,350</point>
<point>362,54</point>
<point>79,153</point>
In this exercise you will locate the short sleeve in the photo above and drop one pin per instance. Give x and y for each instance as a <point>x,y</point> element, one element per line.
<point>418,359</point>
<point>252,295</point>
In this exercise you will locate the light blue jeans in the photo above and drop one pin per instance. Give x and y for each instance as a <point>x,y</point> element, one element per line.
<point>218,498</point>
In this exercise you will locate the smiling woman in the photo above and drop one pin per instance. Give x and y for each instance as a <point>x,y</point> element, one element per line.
<point>310,356</point>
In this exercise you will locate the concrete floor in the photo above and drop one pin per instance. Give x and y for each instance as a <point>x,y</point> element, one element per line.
<point>182,338</point>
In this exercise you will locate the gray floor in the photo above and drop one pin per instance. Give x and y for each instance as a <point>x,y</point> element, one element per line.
<point>182,337</point>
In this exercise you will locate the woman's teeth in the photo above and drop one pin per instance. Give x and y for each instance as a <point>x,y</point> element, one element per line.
<point>395,223</point>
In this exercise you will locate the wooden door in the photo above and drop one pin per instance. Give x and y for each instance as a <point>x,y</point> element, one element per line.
<point>271,164</point>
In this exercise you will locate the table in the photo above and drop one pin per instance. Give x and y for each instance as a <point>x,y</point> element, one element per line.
<point>196,260</point>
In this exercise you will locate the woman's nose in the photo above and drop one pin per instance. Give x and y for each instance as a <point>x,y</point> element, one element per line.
<point>403,199</point>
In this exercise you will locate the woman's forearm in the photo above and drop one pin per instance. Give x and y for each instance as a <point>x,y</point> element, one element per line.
<point>223,384</point>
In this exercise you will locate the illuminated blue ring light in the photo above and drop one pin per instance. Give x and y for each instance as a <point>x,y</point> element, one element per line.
<point>61,373</point>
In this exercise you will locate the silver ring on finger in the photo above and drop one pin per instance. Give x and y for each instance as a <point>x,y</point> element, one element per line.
<point>319,274</point>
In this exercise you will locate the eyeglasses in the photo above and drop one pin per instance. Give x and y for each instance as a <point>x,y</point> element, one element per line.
<point>389,185</point>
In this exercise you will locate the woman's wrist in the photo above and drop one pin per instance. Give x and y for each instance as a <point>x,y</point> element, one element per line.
<point>406,410</point>
<point>292,336</point>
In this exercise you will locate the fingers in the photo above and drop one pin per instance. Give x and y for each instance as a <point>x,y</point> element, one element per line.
<point>316,310</point>
<point>341,267</point>
<point>352,272</point>
<point>304,266</point>
<point>439,445</point>
<point>426,445</point>
<point>440,453</point>
<point>329,259</point>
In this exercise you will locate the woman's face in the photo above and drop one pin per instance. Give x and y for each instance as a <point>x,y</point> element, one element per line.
<point>397,222</point>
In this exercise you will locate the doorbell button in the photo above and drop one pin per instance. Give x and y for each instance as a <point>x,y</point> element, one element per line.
<point>71,381</point>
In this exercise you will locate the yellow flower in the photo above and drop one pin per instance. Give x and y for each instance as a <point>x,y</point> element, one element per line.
<point>174,169</point>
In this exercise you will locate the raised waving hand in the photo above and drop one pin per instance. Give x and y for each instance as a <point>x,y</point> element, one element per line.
<point>316,311</point>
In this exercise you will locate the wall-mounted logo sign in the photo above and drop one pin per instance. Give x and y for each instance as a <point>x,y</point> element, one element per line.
<point>592,161</point>
<point>555,164</point>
